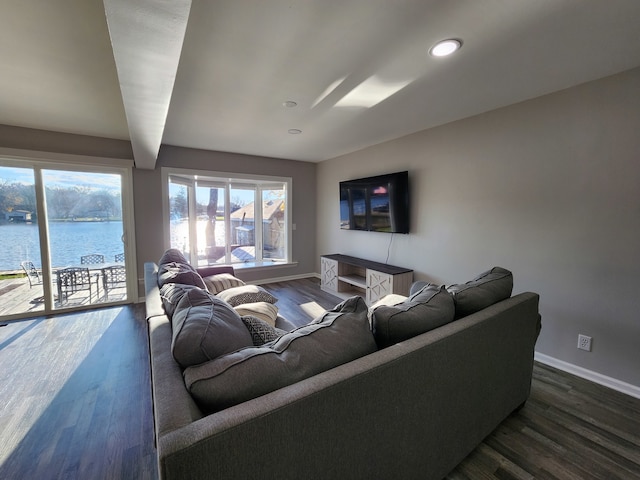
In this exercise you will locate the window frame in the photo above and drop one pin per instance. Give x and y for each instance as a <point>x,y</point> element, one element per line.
<point>193,179</point>
<point>39,161</point>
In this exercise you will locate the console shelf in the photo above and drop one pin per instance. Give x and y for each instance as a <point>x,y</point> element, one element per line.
<point>345,276</point>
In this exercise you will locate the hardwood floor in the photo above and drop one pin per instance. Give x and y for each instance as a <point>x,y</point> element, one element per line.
<point>75,403</point>
<point>75,397</point>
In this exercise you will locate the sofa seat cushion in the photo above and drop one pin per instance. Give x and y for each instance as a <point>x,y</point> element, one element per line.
<point>336,337</point>
<point>204,328</point>
<point>486,289</point>
<point>235,296</point>
<point>221,281</point>
<point>428,308</point>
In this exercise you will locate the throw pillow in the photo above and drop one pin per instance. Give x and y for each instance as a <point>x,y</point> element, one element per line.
<point>171,293</point>
<point>172,255</point>
<point>204,328</point>
<point>486,289</point>
<point>261,332</point>
<point>246,294</point>
<point>265,311</point>
<point>174,272</point>
<point>221,281</point>
<point>428,308</point>
<point>336,337</point>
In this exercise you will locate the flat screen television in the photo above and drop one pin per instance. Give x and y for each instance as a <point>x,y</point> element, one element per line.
<point>376,204</point>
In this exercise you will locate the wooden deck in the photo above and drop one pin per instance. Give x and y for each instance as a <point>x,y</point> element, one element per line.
<point>16,296</point>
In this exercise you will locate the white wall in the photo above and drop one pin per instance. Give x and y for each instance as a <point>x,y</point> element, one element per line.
<point>548,188</point>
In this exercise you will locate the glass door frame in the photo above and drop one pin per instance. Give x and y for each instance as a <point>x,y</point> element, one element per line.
<point>39,161</point>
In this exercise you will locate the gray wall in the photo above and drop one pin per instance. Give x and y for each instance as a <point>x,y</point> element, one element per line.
<point>148,203</point>
<point>549,188</point>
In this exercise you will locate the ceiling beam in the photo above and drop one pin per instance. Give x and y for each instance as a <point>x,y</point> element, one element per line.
<point>146,38</point>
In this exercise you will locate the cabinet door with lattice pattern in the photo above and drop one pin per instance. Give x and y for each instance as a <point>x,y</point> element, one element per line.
<point>329,270</point>
<point>378,285</point>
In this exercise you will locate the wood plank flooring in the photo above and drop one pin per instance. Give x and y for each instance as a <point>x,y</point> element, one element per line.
<point>75,403</point>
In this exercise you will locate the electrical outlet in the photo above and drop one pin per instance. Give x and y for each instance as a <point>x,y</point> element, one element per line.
<point>584,342</point>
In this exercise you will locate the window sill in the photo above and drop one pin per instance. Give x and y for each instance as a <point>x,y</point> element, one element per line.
<point>262,265</point>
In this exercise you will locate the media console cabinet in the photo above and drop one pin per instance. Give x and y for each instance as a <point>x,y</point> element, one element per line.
<point>345,276</point>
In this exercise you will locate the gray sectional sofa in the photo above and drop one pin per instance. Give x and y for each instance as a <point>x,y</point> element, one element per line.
<point>408,405</point>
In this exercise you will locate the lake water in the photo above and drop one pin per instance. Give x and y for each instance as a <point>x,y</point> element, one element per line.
<point>69,241</point>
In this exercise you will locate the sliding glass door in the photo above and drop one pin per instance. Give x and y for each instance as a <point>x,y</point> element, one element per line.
<point>21,275</point>
<point>66,236</point>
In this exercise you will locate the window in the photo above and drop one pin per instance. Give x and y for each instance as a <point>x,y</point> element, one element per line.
<point>229,219</point>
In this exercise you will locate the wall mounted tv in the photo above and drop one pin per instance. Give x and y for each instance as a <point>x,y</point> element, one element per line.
<point>376,204</point>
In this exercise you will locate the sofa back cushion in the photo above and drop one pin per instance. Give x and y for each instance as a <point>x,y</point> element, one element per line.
<point>336,337</point>
<point>204,328</point>
<point>486,289</point>
<point>428,308</point>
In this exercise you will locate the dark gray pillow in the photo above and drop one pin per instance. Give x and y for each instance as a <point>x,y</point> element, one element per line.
<point>336,337</point>
<point>428,308</point>
<point>486,289</point>
<point>184,273</point>
<point>172,255</point>
<point>204,328</point>
<point>171,293</point>
<point>261,332</point>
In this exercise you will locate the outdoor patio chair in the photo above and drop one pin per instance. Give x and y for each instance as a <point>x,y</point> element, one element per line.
<point>72,280</point>
<point>33,275</point>
<point>93,258</point>
<point>119,257</point>
<point>113,277</point>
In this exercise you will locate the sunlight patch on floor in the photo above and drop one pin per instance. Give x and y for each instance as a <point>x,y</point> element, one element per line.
<point>49,342</point>
<point>312,309</point>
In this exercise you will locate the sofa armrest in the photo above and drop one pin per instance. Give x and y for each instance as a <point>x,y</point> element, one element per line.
<point>215,270</point>
<point>153,302</point>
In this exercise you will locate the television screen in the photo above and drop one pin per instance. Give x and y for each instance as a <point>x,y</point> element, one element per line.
<point>378,204</point>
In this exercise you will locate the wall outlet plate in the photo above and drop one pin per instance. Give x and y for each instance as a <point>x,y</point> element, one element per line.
<point>584,342</point>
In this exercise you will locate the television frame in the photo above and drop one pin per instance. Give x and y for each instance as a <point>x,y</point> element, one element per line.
<point>376,204</point>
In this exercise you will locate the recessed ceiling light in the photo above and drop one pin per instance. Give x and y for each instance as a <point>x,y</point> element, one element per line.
<point>290,104</point>
<point>294,131</point>
<point>445,47</point>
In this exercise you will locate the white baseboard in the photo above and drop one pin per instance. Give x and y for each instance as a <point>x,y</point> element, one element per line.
<point>590,375</point>
<point>284,279</point>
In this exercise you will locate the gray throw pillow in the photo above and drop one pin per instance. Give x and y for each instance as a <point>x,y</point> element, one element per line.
<point>261,332</point>
<point>336,337</point>
<point>428,308</point>
<point>171,293</point>
<point>184,273</point>
<point>235,296</point>
<point>204,328</point>
<point>172,255</point>
<point>486,289</point>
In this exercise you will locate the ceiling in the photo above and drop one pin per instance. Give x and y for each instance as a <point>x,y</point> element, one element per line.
<point>214,74</point>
